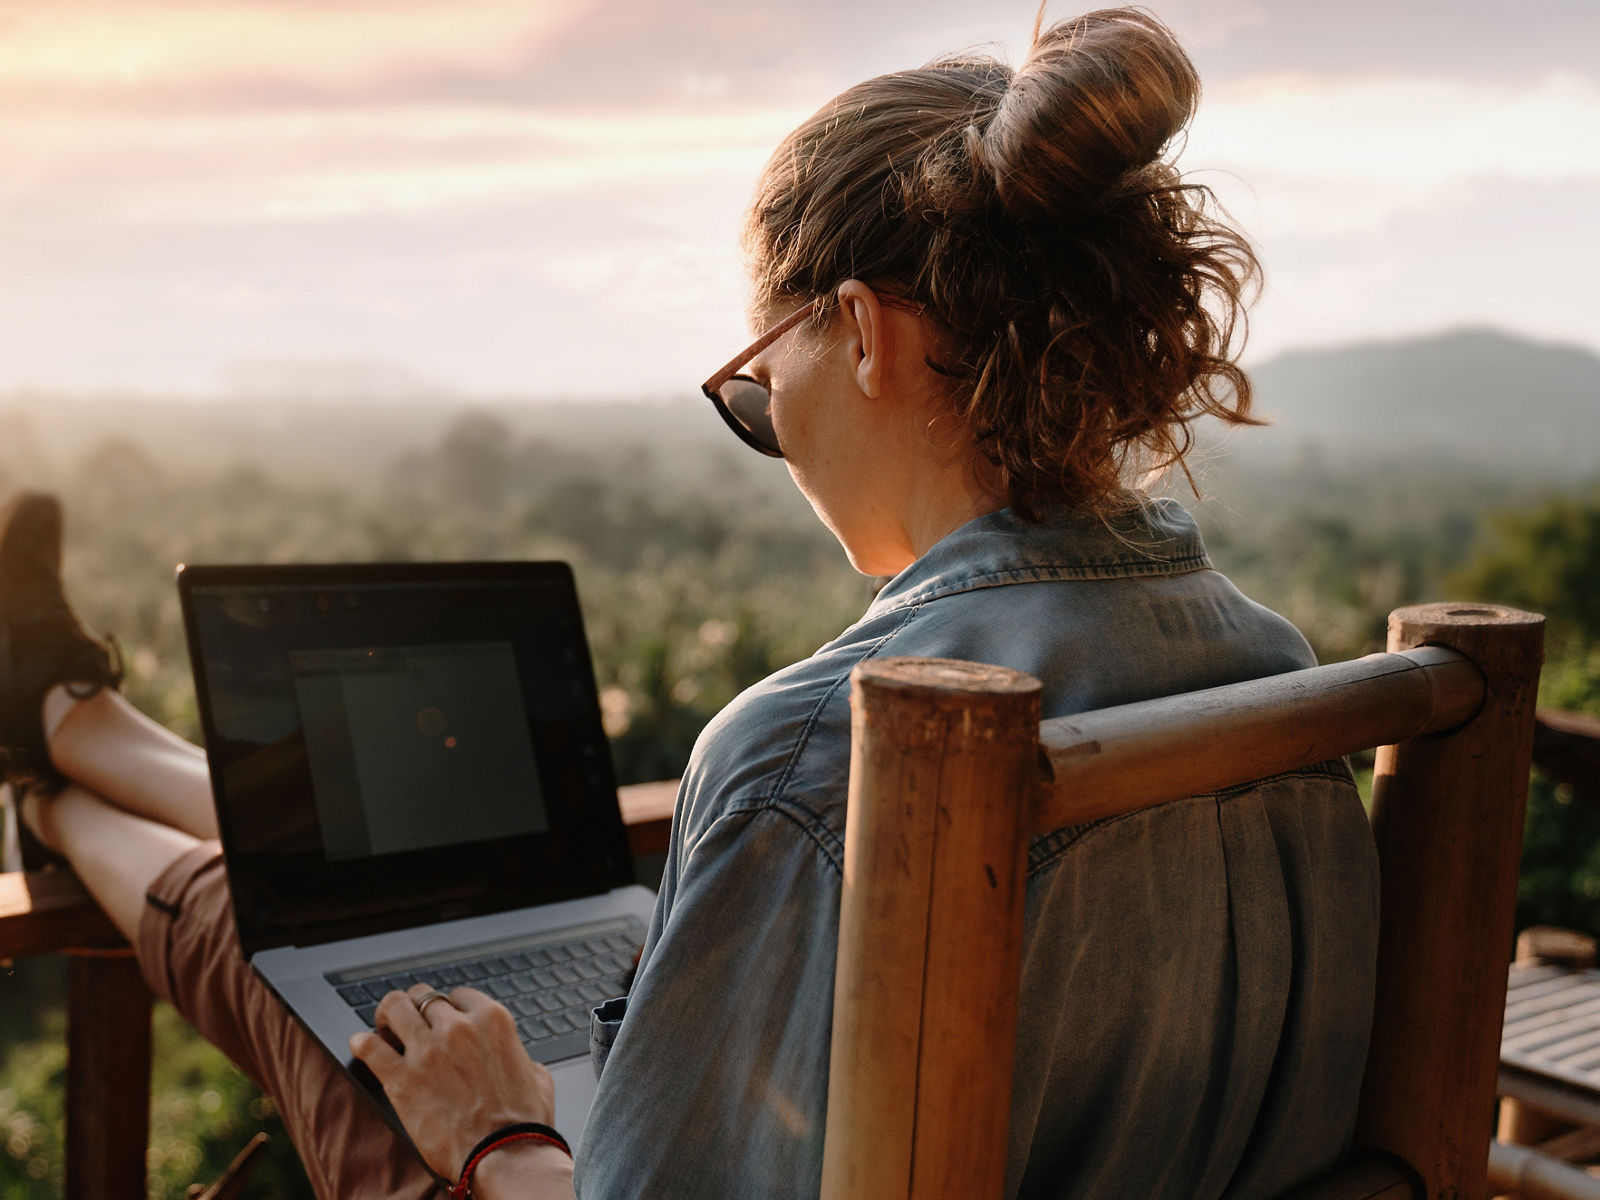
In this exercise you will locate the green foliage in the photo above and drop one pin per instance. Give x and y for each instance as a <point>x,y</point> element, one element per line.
<point>202,1112</point>
<point>32,1078</point>
<point>701,571</point>
<point>696,579</point>
<point>1547,559</point>
<point>1334,546</point>
<point>1560,880</point>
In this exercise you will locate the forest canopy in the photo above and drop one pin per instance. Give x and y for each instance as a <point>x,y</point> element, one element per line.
<point>700,570</point>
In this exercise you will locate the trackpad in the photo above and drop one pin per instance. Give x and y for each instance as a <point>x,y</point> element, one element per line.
<point>575,1086</point>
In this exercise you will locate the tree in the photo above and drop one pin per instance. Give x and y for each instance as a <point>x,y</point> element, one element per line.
<point>1547,560</point>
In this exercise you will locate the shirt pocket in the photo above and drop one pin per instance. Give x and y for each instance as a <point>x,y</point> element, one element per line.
<point>604,1024</point>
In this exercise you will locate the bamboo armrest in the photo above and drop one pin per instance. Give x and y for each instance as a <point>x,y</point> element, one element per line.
<point>46,912</point>
<point>1116,760</point>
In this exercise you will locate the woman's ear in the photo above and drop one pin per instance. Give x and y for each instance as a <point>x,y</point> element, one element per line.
<point>868,338</point>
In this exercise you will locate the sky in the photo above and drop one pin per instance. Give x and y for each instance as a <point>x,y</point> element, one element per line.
<point>541,198</point>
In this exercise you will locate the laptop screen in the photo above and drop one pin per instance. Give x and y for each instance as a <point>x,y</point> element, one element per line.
<point>391,729</point>
<point>392,744</point>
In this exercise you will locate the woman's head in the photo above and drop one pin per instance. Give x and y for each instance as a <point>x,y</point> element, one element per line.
<point>1083,299</point>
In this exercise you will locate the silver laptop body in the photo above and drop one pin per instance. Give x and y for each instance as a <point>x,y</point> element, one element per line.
<point>413,784</point>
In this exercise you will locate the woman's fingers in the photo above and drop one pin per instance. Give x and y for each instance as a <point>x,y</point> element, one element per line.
<point>458,1070</point>
<point>470,1000</point>
<point>435,1010</point>
<point>375,1052</point>
<point>398,1013</point>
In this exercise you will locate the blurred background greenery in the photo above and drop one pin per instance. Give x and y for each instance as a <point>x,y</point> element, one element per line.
<point>700,570</point>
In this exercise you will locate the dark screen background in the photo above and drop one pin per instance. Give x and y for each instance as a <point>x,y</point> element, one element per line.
<point>492,655</point>
<point>416,746</point>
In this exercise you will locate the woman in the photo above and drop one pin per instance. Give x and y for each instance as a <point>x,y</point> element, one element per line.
<point>987,300</point>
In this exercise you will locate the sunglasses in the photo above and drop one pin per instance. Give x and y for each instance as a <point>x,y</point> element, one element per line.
<point>742,402</point>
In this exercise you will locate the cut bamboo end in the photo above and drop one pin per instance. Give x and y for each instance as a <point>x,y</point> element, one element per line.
<point>910,701</point>
<point>1457,614</point>
<point>939,677</point>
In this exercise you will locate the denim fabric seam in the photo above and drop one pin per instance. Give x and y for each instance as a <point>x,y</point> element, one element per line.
<point>810,822</point>
<point>804,738</point>
<point>1044,850</point>
<point>1053,573</point>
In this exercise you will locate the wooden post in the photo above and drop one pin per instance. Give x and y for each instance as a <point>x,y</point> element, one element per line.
<point>108,1078</point>
<point>943,765</point>
<point>1447,814</point>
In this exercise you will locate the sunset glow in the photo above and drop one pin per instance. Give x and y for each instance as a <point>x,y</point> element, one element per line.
<point>188,185</point>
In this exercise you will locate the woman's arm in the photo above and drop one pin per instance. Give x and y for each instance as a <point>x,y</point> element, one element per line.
<point>456,1073</point>
<point>525,1171</point>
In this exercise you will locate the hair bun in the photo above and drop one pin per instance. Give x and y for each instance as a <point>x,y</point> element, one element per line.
<point>1098,98</point>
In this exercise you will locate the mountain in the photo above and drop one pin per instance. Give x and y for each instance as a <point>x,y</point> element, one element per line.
<point>1471,396</point>
<point>1477,401</point>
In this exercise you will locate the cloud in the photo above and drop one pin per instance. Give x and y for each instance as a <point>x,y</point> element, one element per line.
<point>309,165</point>
<point>493,189</point>
<point>1503,254</point>
<point>1313,155</point>
<point>1473,41</point>
<point>166,46</point>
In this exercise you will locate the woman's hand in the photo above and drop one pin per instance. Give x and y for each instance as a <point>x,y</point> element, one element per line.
<point>455,1073</point>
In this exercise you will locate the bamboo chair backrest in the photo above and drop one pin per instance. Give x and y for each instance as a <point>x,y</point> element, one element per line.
<point>951,772</point>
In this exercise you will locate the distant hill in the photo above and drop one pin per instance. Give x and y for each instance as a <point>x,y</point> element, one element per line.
<point>1473,396</point>
<point>1473,400</point>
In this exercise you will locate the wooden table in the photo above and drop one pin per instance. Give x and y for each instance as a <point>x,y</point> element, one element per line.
<point>1550,1045</point>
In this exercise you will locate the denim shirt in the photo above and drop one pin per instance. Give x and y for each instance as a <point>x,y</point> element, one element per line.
<point>1196,978</point>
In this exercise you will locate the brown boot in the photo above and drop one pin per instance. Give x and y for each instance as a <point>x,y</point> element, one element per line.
<point>42,644</point>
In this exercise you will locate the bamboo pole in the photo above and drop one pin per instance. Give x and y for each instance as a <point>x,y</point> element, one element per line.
<point>1116,760</point>
<point>943,761</point>
<point>1447,815</point>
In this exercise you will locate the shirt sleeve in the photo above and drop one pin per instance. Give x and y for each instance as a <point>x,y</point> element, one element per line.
<point>717,1082</point>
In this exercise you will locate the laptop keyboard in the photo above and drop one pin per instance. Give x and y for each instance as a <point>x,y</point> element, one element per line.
<point>550,981</point>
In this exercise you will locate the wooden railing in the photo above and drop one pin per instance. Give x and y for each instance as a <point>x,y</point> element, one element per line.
<point>108,1007</point>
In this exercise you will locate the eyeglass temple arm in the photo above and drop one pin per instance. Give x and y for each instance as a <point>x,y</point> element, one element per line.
<point>761,343</point>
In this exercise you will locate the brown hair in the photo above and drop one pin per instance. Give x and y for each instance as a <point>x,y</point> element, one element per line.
<point>1086,298</point>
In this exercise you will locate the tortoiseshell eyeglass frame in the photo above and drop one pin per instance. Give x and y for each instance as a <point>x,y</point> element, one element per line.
<point>755,430</point>
<point>759,435</point>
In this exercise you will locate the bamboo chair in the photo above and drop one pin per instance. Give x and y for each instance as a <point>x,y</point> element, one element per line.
<point>951,773</point>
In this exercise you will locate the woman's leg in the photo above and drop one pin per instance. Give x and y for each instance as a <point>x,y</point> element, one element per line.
<point>116,854</point>
<point>166,891</point>
<point>112,749</point>
<point>133,818</point>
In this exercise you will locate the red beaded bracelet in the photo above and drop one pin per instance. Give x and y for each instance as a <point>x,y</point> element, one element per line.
<point>524,1132</point>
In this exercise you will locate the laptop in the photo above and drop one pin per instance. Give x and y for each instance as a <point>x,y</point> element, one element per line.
<point>413,785</point>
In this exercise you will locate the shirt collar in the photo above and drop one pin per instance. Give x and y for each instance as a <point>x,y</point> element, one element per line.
<point>1154,536</point>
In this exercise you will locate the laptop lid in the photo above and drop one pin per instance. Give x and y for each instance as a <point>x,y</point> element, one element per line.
<point>396,744</point>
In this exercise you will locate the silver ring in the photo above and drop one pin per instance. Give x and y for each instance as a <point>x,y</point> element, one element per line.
<point>428,998</point>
